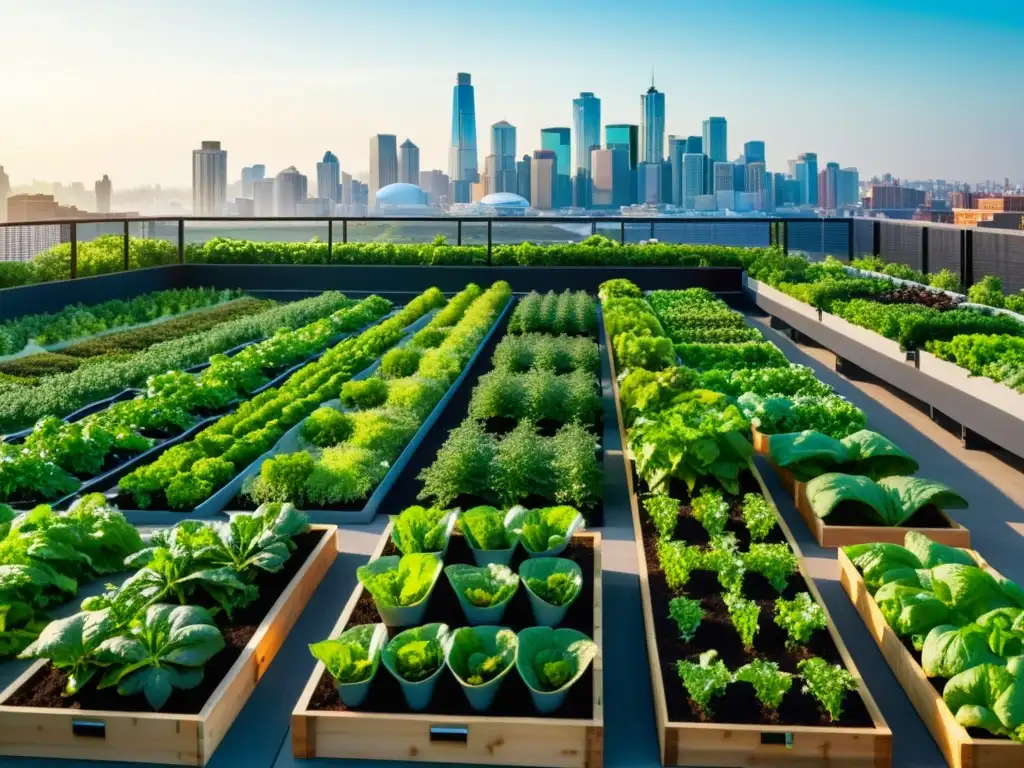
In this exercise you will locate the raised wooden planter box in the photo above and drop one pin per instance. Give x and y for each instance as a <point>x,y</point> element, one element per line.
<point>959,748</point>
<point>843,535</point>
<point>761,442</point>
<point>165,737</point>
<point>732,744</point>
<point>474,739</point>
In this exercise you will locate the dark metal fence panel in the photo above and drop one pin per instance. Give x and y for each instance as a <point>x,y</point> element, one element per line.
<point>901,243</point>
<point>863,237</point>
<point>943,249</point>
<point>741,234</point>
<point>825,237</point>
<point>999,254</point>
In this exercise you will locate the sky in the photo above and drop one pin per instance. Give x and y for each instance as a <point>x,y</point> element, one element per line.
<point>918,88</point>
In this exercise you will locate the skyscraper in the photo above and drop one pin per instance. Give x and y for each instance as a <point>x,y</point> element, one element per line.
<point>849,187</point>
<point>544,178</point>
<point>753,152</point>
<point>715,139</point>
<point>328,178</point>
<point>290,187</point>
<point>209,179</point>
<point>811,160</point>
<point>462,165</point>
<point>828,187</point>
<point>5,190</point>
<point>693,178</point>
<point>523,179</point>
<point>249,175</point>
<point>623,136</point>
<point>263,197</point>
<point>103,190</point>
<point>610,178</point>
<point>694,145</point>
<point>652,125</point>
<point>651,187</point>
<point>586,123</point>
<point>676,152</point>
<point>503,147</point>
<point>724,177</point>
<point>755,183</point>
<point>436,184</point>
<point>409,163</point>
<point>556,140</point>
<point>383,165</point>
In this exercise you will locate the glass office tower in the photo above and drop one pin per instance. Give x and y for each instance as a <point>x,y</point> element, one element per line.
<point>715,139</point>
<point>462,164</point>
<point>652,129</point>
<point>623,136</point>
<point>556,140</point>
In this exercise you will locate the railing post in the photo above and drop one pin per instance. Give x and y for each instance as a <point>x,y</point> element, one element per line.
<point>785,238</point>
<point>344,231</point>
<point>489,241</point>
<point>126,245</point>
<point>849,239</point>
<point>651,235</point>
<point>74,250</point>
<point>181,241</point>
<point>924,250</point>
<point>876,238</point>
<point>622,233</point>
<point>967,258</point>
<point>458,234</point>
<point>330,239</point>
<point>593,228</point>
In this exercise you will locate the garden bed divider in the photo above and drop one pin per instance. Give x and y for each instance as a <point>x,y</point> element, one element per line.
<point>733,744</point>
<point>959,748</point>
<point>474,739</point>
<point>159,737</point>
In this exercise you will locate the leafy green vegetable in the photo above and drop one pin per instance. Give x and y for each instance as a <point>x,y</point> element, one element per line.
<point>687,614</point>
<point>989,697</point>
<point>758,516</point>
<point>542,530</point>
<point>484,528</point>
<point>327,426</point>
<point>478,655</point>
<point>949,650</point>
<point>776,562</point>
<point>400,581</point>
<point>485,587</point>
<point>418,653</point>
<point>770,683</point>
<point>354,655</point>
<point>809,454</point>
<point>705,679</point>
<point>891,501</point>
<point>555,580</point>
<point>550,660</point>
<point>723,557</point>
<point>801,617</point>
<point>70,644</point>
<point>827,683</point>
<point>664,513</point>
<point>744,615</point>
<point>711,511</point>
<point>830,414</point>
<point>418,529</point>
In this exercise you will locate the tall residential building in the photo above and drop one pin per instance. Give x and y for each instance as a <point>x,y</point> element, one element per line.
<point>756,183</point>
<point>503,147</point>
<point>383,164</point>
<point>828,187</point>
<point>739,177</point>
<point>610,178</point>
<point>715,139</point>
<point>409,163</point>
<point>250,174</point>
<point>263,197</point>
<point>328,178</point>
<point>676,152</point>
<point>623,136</point>
<point>103,191</point>
<point>753,152</point>
<point>462,165</point>
<point>5,190</point>
<point>556,140</point>
<point>806,172</point>
<point>209,179</point>
<point>544,179</point>
<point>693,178</point>
<point>654,183</point>
<point>346,188</point>
<point>524,186</point>
<point>586,126</point>
<point>849,187</point>
<point>723,177</point>
<point>652,125</point>
<point>290,188</point>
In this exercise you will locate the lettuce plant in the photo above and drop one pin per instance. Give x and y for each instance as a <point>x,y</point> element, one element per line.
<point>949,650</point>
<point>678,560</point>
<point>809,454</point>
<point>364,394</point>
<point>485,587</point>
<point>832,415</point>
<point>890,501</point>
<point>417,653</point>
<point>664,513</point>
<point>400,582</point>
<point>769,682</point>
<point>544,529</point>
<point>827,683</point>
<point>261,541</point>
<point>327,426</point>
<point>552,659</point>
<point>705,679</point>
<point>758,516</point>
<point>554,580</point>
<point>70,644</point>
<point>776,562</point>
<point>484,528</point>
<point>989,696</point>
<point>711,511</point>
<point>687,614</point>
<point>477,655</point>
<point>418,529</point>
<point>353,656</point>
<point>800,617</point>
<point>744,615</point>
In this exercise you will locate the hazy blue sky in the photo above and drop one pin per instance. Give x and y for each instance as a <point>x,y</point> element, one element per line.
<point>918,88</point>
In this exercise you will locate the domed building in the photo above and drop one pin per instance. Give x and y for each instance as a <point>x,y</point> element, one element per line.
<point>402,198</point>
<point>504,204</point>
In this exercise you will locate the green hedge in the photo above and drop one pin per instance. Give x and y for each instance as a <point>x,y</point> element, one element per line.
<point>106,254</point>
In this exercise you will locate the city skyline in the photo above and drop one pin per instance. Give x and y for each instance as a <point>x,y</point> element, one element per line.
<point>894,123</point>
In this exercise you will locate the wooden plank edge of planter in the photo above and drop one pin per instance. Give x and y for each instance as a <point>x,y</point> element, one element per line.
<point>833,536</point>
<point>713,744</point>
<point>159,737</point>
<point>959,748</point>
<point>583,740</point>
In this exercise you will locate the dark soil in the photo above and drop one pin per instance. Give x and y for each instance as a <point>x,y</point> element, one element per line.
<point>44,688</point>
<point>852,513</point>
<point>513,699</point>
<point>717,632</point>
